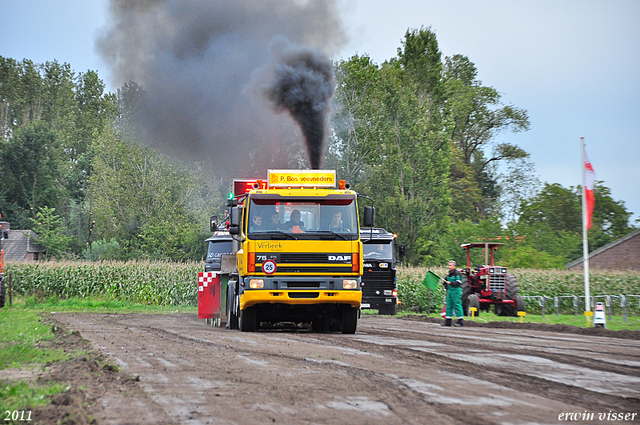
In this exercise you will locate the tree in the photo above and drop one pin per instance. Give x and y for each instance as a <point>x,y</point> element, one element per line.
<point>477,116</point>
<point>356,130</point>
<point>51,233</point>
<point>32,174</point>
<point>551,221</point>
<point>140,199</point>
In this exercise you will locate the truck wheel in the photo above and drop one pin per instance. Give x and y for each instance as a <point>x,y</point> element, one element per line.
<point>465,294</point>
<point>232,319</point>
<point>473,301</point>
<point>520,305</point>
<point>3,292</point>
<point>389,310</point>
<point>247,320</point>
<point>349,320</point>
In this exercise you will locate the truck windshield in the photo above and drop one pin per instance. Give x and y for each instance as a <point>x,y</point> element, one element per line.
<point>217,248</point>
<point>303,218</point>
<point>378,251</point>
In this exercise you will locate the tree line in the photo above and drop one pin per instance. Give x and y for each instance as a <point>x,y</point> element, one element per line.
<point>419,134</point>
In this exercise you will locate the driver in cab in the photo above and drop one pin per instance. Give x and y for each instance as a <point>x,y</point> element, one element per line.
<point>294,225</point>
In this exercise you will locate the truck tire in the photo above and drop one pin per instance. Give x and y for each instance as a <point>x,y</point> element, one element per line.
<point>473,301</point>
<point>247,320</point>
<point>349,320</point>
<point>520,305</point>
<point>465,295</point>
<point>232,319</point>
<point>389,310</point>
<point>3,292</point>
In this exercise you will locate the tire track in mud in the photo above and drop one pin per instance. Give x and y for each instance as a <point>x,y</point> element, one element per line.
<point>518,381</point>
<point>388,371</point>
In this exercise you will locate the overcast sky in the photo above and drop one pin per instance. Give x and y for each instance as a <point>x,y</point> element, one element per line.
<point>573,65</point>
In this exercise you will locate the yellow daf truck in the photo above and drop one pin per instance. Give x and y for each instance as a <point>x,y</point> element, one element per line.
<point>299,254</point>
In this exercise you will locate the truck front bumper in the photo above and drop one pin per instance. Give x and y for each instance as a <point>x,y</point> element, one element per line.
<point>303,290</point>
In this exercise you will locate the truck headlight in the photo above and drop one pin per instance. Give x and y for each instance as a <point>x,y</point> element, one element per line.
<point>256,283</point>
<point>384,265</point>
<point>387,292</point>
<point>349,284</point>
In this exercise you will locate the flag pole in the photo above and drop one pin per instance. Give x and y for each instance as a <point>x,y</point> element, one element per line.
<point>585,242</point>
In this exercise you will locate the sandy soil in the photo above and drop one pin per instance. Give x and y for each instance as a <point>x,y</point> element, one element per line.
<point>177,369</point>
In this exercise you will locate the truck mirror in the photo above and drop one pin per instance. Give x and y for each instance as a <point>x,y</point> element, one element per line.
<point>234,230</point>
<point>213,223</point>
<point>369,216</point>
<point>235,216</point>
<point>402,250</point>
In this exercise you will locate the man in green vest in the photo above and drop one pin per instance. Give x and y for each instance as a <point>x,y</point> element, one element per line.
<point>452,283</point>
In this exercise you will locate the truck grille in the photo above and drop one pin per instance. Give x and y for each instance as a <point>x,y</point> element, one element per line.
<point>309,262</point>
<point>497,282</point>
<point>304,258</point>
<point>321,269</point>
<point>377,280</point>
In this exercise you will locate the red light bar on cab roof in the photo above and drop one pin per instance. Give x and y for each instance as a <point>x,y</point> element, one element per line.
<point>240,187</point>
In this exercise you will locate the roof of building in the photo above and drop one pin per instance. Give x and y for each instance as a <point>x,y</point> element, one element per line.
<point>19,244</point>
<point>604,248</point>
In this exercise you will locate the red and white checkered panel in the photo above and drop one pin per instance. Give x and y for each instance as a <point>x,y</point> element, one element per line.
<point>204,279</point>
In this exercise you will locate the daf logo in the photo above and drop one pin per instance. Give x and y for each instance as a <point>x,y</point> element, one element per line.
<point>339,258</point>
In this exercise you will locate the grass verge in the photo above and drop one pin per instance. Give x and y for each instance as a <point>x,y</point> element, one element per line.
<point>97,305</point>
<point>616,323</point>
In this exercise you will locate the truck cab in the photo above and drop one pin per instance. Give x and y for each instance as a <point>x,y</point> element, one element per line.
<point>218,245</point>
<point>379,290</point>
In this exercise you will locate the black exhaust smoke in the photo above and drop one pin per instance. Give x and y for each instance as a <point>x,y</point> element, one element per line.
<point>194,61</point>
<point>303,85</point>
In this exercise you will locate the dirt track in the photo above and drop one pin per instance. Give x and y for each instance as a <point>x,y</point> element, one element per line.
<point>391,371</point>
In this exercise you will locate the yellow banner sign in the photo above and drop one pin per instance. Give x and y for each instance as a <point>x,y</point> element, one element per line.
<point>302,178</point>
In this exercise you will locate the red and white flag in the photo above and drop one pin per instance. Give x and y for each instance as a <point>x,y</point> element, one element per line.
<point>589,180</point>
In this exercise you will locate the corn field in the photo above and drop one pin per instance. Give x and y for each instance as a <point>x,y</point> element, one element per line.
<point>548,283</point>
<point>167,283</point>
<point>153,283</point>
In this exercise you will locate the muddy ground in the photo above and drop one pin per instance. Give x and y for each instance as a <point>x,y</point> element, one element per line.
<point>177,369</point>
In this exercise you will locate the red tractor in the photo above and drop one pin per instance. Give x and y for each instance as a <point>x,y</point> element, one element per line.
<point>483,286</point>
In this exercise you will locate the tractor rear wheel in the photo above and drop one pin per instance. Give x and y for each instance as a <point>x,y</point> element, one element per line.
<point>473,301</point>
<point>520,305</point>
<point>465,294</point>
<point>512,287</point>
<point>511,292</point>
